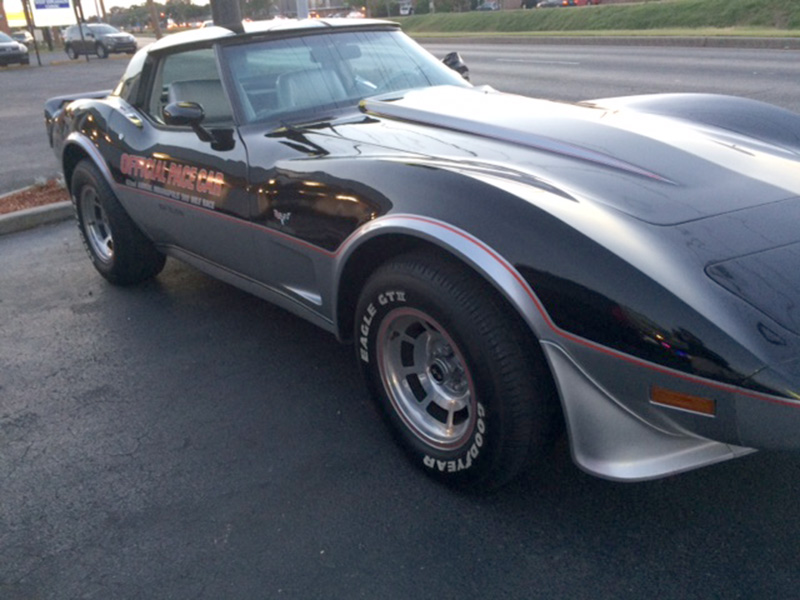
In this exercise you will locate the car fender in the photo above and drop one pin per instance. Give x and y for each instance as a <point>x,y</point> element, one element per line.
<point>77,145</point>
<point>473,252</point>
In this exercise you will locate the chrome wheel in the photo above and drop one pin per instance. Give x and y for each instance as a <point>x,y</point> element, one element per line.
<point>95,223</point>
<point>426,378</point>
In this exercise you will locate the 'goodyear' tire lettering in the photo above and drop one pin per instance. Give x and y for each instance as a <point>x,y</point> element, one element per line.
<point>465,462</point>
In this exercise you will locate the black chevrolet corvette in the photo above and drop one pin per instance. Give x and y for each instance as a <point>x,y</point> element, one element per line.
<point>501,264</point>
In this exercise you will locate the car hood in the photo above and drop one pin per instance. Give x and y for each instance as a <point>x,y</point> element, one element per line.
<point>725,201</point>
<point>656,168</point>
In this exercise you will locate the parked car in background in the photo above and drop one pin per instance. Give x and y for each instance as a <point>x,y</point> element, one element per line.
<point>23,36</point>
<point>12,51</point>
<point>97,38</point>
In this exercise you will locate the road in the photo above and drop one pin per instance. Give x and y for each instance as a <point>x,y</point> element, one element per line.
<point>572,73</point>
<point>183,439</point>
<point>559,72</point>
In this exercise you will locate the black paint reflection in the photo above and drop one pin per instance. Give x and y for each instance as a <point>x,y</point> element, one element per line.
<point>317,207</point>
<point>590,315</point>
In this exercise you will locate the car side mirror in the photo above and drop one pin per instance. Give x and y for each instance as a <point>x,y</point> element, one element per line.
<point>182,114</point>
<point>455,62</point>
<point>191,114</point>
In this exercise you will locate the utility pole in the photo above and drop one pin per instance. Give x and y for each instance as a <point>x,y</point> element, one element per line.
<point>26,7</point>
<point>154,17</point>
<point>81,19</point>
<point>3,20</point>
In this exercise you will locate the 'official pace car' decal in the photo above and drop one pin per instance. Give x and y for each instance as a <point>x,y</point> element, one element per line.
<point>174,180</point>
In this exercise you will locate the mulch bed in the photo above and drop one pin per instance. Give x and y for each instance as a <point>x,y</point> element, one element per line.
<point>38,195</point>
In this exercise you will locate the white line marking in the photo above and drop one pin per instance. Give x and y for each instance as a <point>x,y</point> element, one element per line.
<point>539,62</point>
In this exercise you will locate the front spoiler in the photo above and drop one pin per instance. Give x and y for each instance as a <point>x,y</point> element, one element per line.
<point>612,442</point>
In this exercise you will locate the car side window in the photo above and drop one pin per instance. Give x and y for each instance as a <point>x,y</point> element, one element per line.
<point>190,77</point>
<point>283,76</point>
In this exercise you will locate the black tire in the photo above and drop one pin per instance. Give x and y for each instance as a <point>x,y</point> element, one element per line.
<point>71,52</point>
<point>102,51</point>
<point>461,383</point>
<point>118,249</point>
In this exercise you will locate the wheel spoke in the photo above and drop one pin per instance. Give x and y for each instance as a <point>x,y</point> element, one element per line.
<point>427,379</point>
<point>95,222</point>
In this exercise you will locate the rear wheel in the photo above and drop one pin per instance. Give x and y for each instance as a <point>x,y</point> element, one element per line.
<point>462,385</point>
<point>71,52</point>
<point>118,249</point>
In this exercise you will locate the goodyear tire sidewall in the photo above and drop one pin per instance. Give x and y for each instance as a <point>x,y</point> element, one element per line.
<point>472,458</point>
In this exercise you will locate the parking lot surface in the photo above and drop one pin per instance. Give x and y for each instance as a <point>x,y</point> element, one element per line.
<point>182,439</point>
<point>24,157</point>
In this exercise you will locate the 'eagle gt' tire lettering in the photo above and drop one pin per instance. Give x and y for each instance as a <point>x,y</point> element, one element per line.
<point>466,392</point>
<point>118,249</point>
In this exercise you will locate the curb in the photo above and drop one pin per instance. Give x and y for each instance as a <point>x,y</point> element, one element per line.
<point>34,217</point>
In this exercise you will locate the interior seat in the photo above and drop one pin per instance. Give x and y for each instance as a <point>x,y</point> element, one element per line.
<point>312,87</point>
<point>208,93</point>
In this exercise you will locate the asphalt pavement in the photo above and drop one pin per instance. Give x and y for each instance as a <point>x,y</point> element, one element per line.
<point>183,439</point>
<point>25,155</point>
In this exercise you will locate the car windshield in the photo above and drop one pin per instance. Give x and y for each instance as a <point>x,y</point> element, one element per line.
<point>277,78</point>
<point>4,38</point>
<point>103,29</point>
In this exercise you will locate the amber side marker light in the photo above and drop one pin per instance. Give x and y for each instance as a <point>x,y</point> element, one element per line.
<point>673,399</point>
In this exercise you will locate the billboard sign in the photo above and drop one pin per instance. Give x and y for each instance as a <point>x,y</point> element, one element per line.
<point>46,13</point>
<point>15,13</point>
<point>52,13</point>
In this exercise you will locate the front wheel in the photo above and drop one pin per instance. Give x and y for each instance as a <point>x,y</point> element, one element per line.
<point>462,385</point>
<point>71,52</point>
<point>118,249</point>
<point>102,51</point>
